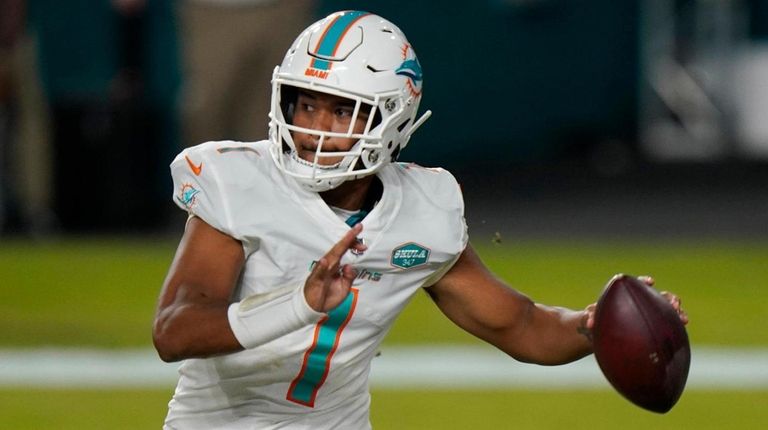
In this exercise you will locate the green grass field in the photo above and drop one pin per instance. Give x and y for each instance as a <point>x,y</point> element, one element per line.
<point>418,410</point>
<point>102,292</point>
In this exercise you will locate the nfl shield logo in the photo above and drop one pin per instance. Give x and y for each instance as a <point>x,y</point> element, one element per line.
<point>409,255</point>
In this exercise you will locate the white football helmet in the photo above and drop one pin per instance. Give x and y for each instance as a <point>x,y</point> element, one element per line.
<point>361,57</point>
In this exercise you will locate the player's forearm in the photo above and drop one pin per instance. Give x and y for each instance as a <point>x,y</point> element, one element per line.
<point>554,335</point>
<point>563,338</point>
<point>193,330</point>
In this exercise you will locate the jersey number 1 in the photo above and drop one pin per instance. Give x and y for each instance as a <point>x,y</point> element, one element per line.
<point>317,359</point>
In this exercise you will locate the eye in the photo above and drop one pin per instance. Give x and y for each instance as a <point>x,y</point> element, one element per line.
<point>345,111</point>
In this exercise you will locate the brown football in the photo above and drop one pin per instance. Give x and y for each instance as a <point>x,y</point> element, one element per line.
<point>640,344</point>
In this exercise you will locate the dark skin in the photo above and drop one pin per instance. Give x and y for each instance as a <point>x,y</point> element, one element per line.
<point>191,319</point>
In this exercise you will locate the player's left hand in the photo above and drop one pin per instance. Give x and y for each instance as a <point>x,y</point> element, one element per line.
<point>589,323</point>
<point>329,282</point>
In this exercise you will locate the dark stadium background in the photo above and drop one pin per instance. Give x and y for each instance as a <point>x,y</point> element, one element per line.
<point>541,109</point>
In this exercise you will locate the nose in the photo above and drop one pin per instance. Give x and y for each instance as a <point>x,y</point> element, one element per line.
<point>322,120</point>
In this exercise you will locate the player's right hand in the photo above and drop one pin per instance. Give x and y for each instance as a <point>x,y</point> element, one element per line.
<point>589,322</point>
<point>329,282</point>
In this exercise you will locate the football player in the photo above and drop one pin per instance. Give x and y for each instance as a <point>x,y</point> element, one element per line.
<point>301,250</point>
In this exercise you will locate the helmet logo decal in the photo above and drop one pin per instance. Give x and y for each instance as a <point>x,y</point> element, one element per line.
<point>322,74</point>
<point>329,43</point>
<point>411,69</point>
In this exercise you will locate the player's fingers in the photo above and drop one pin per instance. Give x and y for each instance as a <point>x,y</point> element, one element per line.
<point>349,240</point>
<point>587,321</point>
<point>677,305</point>
<point>590,321</point>
<point>359,246</point>
<point>348,273</point>
<point>323,268</point>
<point>647,280</point>
<point>673,299</point>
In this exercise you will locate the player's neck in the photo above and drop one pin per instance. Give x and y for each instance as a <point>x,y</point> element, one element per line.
<point>352,195</point>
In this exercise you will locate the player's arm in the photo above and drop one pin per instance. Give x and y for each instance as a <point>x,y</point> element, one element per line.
<point>196,317</point>
<point>191,318</point>
<point>477,301</point>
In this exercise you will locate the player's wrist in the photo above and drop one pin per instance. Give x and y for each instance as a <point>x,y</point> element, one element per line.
<point>303,309</point>
<point>262,318</point>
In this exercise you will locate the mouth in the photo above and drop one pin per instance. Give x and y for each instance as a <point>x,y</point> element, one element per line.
<point>307,153</point>
<point>298,156</point>
<point>307,150</point>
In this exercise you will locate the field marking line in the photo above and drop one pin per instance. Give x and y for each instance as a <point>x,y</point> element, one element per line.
<point>432,367</point>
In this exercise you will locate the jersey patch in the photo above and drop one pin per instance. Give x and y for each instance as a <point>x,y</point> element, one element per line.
<point>188,195</point>
<point>409,255</point>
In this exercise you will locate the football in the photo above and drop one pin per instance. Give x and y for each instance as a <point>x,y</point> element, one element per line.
<point>640,344</point>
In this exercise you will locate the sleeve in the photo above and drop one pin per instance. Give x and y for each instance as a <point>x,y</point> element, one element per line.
<point>456,206</point>
<point>197,188</point>
<point>448,195</point>
<point>462,222</point>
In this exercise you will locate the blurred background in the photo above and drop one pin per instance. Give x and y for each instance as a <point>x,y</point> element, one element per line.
<point>549,100</point>
<point>590,137</point>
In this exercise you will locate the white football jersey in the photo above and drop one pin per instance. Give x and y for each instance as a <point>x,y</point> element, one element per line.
<point>317,376</point>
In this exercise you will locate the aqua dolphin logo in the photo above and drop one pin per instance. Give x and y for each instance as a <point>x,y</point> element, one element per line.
<point>411,69</point>
<point>187,195</point>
